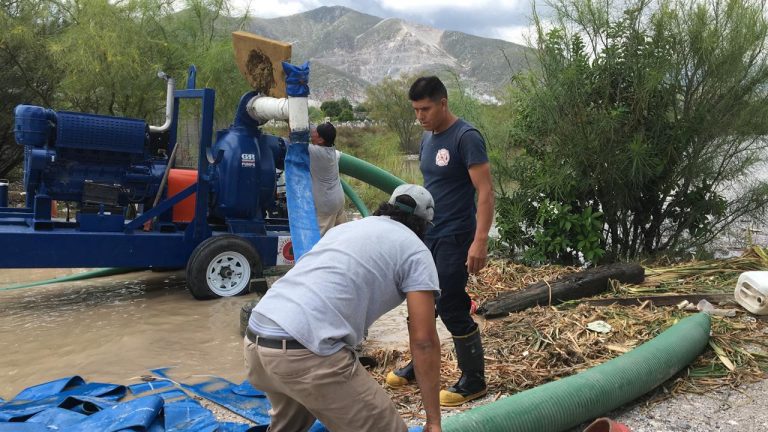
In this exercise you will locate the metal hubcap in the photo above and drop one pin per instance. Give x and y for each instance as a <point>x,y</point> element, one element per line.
<point>228,274</point>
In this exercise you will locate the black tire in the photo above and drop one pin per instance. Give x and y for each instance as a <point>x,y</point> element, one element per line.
<point>232,263</point>
<point>245,313</point>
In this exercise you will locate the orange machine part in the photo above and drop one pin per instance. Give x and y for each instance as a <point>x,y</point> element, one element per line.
<point>178,180</point>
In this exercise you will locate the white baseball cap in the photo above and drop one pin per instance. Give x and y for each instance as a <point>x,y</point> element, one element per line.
<point>425,205</point>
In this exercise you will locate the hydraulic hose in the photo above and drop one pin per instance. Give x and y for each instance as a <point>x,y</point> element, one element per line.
<point>563,404</point>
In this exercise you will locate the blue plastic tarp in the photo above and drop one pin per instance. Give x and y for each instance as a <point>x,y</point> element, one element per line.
<point>57,417</point>
<point>223,392</point>
<point>137,414</point>
<point>160,406</point>
<point>68,404</point>
<point>50,388</point>
<point>21,409</point>
<point>144,387</point>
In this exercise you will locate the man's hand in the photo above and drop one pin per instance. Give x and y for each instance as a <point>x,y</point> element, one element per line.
<point>478,251</point>
<point>477,257</point>
<point>432,428</point>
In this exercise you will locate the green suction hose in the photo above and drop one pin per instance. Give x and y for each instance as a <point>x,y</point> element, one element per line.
<point>368,173</point>
<point>74,277</point>
<point>355,198</point>
<point>563,404</point>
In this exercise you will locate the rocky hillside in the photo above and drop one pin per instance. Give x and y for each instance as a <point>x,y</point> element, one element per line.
<point>350,50</point>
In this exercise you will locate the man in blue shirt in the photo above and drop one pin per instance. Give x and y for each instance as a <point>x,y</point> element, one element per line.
<point>454,162</point>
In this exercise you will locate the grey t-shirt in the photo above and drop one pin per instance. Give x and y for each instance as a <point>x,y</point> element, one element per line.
<point>356,273</point>
<point>326,186</point>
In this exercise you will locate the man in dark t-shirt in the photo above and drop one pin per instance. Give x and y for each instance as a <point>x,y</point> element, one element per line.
<point>454,162</point>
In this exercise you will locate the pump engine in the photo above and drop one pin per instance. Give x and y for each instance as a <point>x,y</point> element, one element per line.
<point>102,160</point>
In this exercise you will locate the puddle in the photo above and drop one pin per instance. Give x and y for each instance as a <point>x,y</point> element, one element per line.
<point>117,328</point>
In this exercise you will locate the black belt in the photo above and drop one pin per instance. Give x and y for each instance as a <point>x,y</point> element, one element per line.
<point>273,343</point>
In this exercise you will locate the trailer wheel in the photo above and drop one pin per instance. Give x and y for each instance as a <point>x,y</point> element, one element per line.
<point>222,266</point>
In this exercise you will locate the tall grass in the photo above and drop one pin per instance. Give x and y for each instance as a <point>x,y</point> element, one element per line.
<point>378,146</point>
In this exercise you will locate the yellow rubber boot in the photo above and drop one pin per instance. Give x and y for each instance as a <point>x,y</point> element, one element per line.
<point>466,389</point>
<point>401,377</point>
<point>471,385</point>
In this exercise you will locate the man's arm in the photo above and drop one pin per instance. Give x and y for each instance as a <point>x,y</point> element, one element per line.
<point>425,349</point>
<point>477,257</point>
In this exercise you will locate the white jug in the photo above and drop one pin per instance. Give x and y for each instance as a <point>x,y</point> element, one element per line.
<point>752,292</point>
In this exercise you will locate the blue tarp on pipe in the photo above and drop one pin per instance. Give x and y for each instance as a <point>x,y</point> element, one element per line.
<point>301,204</point>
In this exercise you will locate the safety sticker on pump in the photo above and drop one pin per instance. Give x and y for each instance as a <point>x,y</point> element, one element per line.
<point>284,250</point>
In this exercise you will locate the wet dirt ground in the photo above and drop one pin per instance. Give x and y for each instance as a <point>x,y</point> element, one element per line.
<point>117,328</point>
<point>113,329</point>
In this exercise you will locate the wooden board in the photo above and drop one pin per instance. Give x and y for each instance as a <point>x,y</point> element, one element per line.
<point>260,61</point>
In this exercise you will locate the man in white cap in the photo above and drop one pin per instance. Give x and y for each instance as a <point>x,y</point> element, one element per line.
<point>300,337</point>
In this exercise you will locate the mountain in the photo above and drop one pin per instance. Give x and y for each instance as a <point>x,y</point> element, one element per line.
<point>349,51</point>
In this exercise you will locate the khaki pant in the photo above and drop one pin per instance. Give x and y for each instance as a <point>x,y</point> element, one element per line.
<point>326,222</point>
<point>336,389</point>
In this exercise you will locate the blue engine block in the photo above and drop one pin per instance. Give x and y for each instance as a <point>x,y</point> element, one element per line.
<point>64,150</point>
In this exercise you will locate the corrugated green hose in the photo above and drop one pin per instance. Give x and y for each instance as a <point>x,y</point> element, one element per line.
<point>355,198</point>
<point>563,404</point>
<point>368,173</point>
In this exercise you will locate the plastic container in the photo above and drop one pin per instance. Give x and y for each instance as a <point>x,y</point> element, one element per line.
<point>3,193</point>
<point>178,180</point>
<point>752,292</point>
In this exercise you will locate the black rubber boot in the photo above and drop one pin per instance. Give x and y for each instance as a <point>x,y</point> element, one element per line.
<point>471,385</point>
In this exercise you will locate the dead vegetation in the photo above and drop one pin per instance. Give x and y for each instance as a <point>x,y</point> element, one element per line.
<point>538,345</point>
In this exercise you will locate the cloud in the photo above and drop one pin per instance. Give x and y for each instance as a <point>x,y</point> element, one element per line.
<point>503,19</point>
<point>274,8</point>
<point>519,34</point>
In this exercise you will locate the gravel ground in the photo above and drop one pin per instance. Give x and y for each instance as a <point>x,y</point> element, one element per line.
<point>727,409</point>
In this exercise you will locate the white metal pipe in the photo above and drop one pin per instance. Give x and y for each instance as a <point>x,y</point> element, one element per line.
<point>168,109</point>
<point>264,108</point>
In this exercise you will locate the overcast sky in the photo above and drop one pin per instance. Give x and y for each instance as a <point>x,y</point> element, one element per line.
<point>501,19</point>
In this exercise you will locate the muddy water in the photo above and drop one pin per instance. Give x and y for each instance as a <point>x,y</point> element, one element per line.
<point>117,328</point>
<point>114,329</point>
